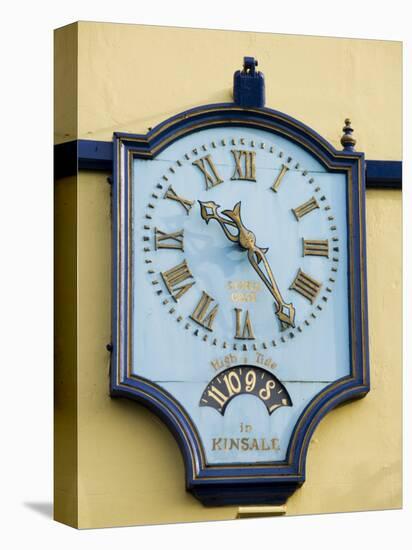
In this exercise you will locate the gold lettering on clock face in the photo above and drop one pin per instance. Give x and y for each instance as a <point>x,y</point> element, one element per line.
<point>306,286</point>
<point>172,241</point>
<point>202,314</point>
<point>209,171</point>
<point>244,331</point>
<point>245,168</point>
<point>172,195</point>
<point>316,248</point>
<point>174,279</point>
<point>279,179</point>
<point>305,208</point>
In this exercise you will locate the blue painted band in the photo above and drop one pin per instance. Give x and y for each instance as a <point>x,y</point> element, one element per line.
<point>85,154</point>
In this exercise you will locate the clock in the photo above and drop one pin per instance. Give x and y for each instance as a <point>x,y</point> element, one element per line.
<point>239,291</point>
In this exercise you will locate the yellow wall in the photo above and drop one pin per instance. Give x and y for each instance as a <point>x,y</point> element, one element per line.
<point>130,470</point>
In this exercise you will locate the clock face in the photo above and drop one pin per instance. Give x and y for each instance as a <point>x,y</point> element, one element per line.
<point>239,279</point>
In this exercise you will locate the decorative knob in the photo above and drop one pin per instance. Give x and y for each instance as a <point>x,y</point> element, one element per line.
<point>347,140</point>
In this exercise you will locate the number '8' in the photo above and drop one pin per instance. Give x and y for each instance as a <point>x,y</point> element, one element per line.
<point>264,393</point>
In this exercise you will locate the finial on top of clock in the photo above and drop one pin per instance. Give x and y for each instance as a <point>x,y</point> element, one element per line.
<point>347,140</point>
<point>249,85</point>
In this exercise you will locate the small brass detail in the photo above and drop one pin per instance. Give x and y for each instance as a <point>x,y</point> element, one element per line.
<point>172,195</point>
<point>168,240</point>
<point>260,511</point>
<point>306,286</point>
<point>244,332</point>
<point>174,277</point>
<point>316,248</point>
<point>208,169</point>
<point>305,208</point>
<point>280,177</point>
<point>245,168</point>
<point>347,140</point>
<point>202,315</point>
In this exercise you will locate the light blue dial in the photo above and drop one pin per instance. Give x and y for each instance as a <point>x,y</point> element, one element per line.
<point>204,303</point>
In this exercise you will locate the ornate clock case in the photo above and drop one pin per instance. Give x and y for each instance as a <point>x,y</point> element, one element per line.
<point>239,301</point>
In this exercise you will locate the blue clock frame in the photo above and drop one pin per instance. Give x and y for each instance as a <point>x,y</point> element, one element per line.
<point>270,483</point>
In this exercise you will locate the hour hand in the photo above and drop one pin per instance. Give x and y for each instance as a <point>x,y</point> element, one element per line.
<point>209,211</point>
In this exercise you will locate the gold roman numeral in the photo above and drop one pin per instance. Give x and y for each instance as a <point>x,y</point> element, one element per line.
<point>306,286</point>
<point>316,248</point>
<point>245,168</point>
<point>280,177</point>
<point>171,194</point>
<point>168,240</point>
<point>208,169</point>
<point>305,208</point>
<point>245,332</point>
<point>174,277</point>
<point>201,314</point>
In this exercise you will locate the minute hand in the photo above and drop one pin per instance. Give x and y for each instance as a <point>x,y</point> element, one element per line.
<point>285,312</point>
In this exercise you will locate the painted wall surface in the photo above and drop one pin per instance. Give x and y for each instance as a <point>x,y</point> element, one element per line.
<point>130,470</point>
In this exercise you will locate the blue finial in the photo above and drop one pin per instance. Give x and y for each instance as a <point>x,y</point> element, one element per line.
<point>249,85</point>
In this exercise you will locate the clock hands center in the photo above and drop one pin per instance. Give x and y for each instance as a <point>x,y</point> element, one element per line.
<point>236,232</point>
